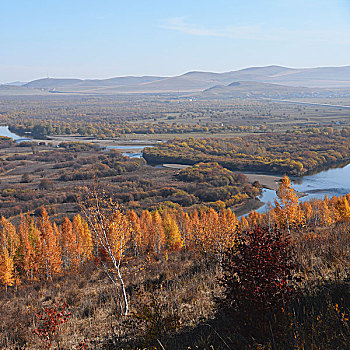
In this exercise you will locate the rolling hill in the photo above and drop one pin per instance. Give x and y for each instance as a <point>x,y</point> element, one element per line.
<point>298,80</point>
<point>251,89</point>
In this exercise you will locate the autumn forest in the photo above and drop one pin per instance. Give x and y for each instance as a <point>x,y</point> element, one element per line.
<point>139,222</point>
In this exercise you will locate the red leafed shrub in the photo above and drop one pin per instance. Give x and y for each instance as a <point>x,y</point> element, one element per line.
<point>82,345</point>
<point>50,319</point>
<point>256,280</point>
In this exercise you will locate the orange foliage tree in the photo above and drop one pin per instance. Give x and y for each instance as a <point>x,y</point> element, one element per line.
<point>287,210</point>
<point>111,232</point>
<point>51,250</point>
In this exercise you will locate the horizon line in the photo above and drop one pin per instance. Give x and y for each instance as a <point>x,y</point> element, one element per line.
<point>172,76</point>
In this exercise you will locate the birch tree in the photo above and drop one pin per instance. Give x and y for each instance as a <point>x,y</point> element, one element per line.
<point>111,232</point>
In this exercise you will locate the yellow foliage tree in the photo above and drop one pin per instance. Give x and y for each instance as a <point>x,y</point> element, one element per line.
<point>288,212</point>
<point>136,231</point>
<point>51,250</point>
<point>111,232</point>
<point>6,268</point>
<point>157,233</point>
<point>9,244</point>
<point>172,232</point>
<point>343,208</point>
<point>83,239</point>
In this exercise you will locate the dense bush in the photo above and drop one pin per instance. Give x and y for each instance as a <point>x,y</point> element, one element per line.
<point>257,281</point>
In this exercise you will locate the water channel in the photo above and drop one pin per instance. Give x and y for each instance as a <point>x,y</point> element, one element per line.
<point>4,131</point>
<point>132,151</point>
<point>331,182</point>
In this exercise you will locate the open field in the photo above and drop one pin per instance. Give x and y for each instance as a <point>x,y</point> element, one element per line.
<point>158,117</point>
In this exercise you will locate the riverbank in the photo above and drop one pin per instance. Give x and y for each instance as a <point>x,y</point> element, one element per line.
<point>176,166</point>
<point>246,207</point>
<point>270,182</point>
<point>267,181</point>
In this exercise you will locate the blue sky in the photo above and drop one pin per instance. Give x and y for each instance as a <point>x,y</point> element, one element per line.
<point>105,38</point>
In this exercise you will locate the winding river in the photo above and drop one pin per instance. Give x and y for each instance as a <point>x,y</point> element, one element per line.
<point>130,151</point>
<point>331,182</point>
<point>4,131</point>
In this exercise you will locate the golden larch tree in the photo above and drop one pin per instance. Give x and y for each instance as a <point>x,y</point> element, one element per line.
<point>288,212</point>
<point>136,239</point>
<point>9,243</point>
<point>157,233</point>
<point>172,232</point>
<point>69,246</point>
<point>83,239</point>
<point>51,250</point>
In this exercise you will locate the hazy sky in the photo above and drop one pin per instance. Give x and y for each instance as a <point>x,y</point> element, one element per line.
<point>106,38</point>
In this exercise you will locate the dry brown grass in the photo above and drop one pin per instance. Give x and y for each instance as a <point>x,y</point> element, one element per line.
<point>324,254</point>
<point>183,287</point>
<point>173,298</point>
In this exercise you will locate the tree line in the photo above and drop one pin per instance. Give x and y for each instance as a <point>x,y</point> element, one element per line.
<point>39,248</point>
<point>294,153</point>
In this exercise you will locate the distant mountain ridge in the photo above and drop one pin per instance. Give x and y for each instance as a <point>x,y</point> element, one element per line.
<point>251,89</point>
<point>52,83</point>
<point>17,83</point>
<point>197,81</point>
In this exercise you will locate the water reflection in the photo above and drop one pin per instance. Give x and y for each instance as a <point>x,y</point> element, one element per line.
<point>132,155</point>
<point>4,131</point>
<point>138,147</point>
<point>331,182</point>
<point>137,153</point>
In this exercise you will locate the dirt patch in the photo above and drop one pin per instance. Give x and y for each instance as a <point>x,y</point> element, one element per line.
<point>247,206</point>
<point>268,181</point>
<point>176,166</point>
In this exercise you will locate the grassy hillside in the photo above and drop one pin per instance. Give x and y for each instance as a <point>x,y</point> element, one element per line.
<point>193,296</point>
